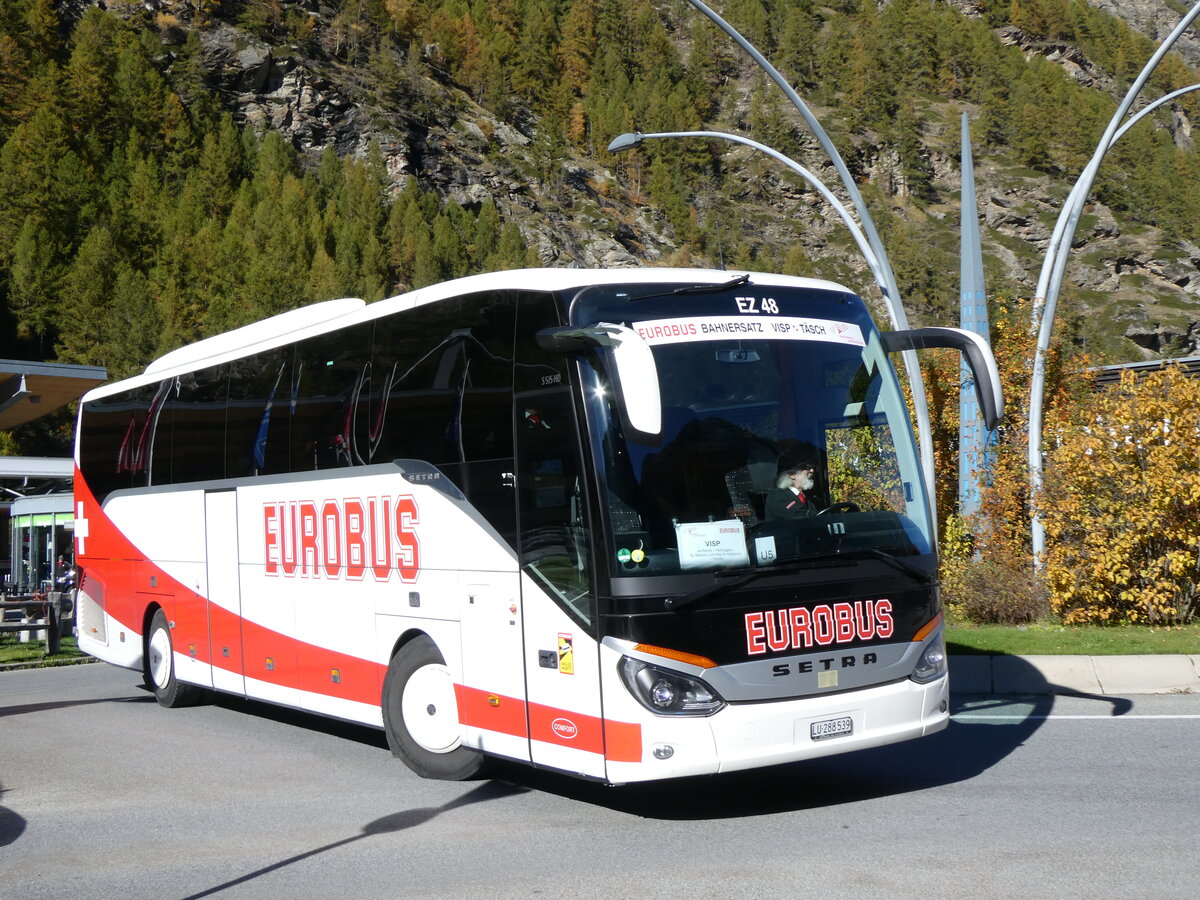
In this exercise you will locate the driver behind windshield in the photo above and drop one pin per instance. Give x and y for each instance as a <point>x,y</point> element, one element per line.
<point>790,498</point>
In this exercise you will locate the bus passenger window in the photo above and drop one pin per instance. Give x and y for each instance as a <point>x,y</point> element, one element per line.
<point>329,400</point>
<point>120,434</point>
<point>197,417</point>
<point>412,399</point>
<point>259,417</point>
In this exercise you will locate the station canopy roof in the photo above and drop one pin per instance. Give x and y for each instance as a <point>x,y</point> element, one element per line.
<point>29,390</point>
<point>23,476</point>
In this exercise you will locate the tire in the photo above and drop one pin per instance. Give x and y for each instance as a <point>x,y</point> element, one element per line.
<point>158,669</point>
<point>420,715</point>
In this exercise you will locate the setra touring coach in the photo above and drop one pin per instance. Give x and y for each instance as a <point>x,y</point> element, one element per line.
<point>627,524</point>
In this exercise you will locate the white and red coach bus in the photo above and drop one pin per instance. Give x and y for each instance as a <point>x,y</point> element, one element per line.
<point>525,515</point>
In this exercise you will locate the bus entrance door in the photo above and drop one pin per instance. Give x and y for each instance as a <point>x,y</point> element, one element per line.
<point>224,591</point>
<point>562,670</point>
<point>562,665</point>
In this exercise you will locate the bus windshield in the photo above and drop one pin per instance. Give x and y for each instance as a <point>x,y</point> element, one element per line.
<point>785,435</point>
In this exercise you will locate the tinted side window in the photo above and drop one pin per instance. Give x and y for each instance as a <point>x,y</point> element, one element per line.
<point>114,430</point>
<point>444,395</point>
<point>195,410</point>
<point>444,380</point>
<point>330,387</point>
<point>257,438</point>
<point>416,401</point>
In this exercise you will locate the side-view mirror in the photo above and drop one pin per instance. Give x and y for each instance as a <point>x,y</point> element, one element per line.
<point>630,365</point>
<point>979,359</point>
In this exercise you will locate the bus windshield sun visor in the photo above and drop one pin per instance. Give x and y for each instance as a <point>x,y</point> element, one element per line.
<point>979,358</point>
<point>629,362</point>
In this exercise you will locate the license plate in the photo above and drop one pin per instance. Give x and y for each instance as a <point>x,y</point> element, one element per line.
<point>830,728</point>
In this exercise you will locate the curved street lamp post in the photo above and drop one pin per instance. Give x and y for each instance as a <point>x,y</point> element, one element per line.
<point>1055,263</point>
<point>630,141</point>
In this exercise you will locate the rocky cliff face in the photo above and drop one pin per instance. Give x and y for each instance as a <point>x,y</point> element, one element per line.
<point>1142,294</point>
<point>1156,19</point>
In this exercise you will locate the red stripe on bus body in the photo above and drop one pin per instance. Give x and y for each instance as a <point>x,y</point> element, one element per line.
<point>618,741</point>
<point>491,712</point>
<point>566,729</point>
<point>133,582</point>
<point>291,663</point>
<point>269,656</point>
<point>622,741</point>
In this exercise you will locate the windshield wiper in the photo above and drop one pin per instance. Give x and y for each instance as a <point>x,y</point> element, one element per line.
<point>896,563</point>
<point>729,582</point>
<point>696,289</point>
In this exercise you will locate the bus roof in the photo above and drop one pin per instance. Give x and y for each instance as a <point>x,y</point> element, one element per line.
<point>330,315</point>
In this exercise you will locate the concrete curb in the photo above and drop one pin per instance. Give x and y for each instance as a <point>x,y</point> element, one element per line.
<point>1099,675</point>
<point>47,664</point>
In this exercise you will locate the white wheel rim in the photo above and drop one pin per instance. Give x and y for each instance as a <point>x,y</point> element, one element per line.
<point>160,657</point>
<point>430,710</point>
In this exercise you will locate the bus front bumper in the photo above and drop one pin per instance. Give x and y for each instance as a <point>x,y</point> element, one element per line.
<point>754,735</point>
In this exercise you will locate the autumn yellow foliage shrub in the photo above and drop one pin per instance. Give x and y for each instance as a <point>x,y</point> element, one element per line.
<point>1121,504</point>
<point>986,568</point>
<point>955,557</point>
<point>1000,588</point>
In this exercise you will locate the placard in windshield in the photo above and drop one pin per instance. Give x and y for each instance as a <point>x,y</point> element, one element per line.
<point>776,328</point>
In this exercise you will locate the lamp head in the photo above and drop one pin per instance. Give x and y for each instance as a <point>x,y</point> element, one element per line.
<point>625,141</point>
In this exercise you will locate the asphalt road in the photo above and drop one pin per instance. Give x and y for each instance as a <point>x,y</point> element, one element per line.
<point>104,794</point>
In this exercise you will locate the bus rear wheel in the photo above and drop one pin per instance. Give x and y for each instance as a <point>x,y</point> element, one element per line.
<point>159,667</point>
<point>420,714</point>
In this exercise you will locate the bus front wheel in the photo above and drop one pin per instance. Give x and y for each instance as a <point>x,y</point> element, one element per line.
<point>420,714</point>
<point>159,667</point>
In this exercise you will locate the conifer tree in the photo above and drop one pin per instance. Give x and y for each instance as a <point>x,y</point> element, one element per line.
<point>34,271</point>
<point>535,59</point>
<point>13,77</point>
<point>41,29</point>
<point>577,45</point>
<point>86,298</point>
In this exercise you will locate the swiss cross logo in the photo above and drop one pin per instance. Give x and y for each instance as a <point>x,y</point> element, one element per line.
<point>81,529</point>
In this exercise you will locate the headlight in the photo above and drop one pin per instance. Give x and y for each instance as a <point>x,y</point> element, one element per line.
<point>932,664</point>
<point>668,693</point>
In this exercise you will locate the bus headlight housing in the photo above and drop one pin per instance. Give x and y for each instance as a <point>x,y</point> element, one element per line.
<point>668,693</point>
<point>932,664</point>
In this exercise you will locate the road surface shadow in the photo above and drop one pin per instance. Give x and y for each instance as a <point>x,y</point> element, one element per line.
<point>960,752</point>
<point>12,826</point>
<point>286,715</point>
<point>27,708</point>
<point>401,821</point>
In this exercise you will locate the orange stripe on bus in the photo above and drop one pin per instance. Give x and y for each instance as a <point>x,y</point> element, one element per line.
<point>928,628</point>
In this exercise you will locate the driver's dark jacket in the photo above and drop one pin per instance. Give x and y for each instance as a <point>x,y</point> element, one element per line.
<point>783,503</point>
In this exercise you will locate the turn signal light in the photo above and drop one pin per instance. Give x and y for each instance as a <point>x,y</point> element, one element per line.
<point>692,659</point>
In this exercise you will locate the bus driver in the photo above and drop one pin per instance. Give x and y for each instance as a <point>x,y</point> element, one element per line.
<point>789,499</point>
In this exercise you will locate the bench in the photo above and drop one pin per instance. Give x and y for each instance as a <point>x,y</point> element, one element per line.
<point>40,612</point>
